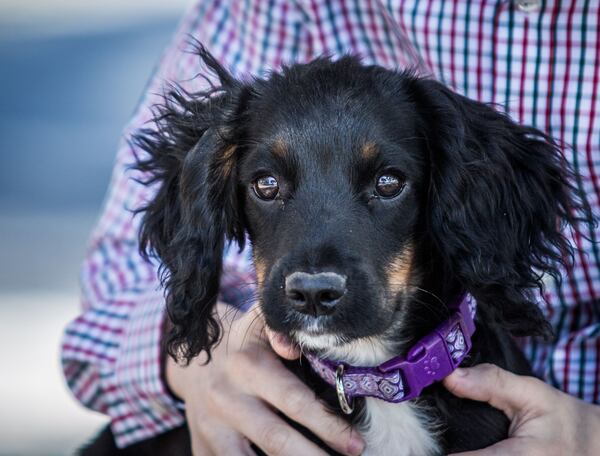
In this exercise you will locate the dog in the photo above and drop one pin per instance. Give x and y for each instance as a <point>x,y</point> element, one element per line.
<point>372,199</point>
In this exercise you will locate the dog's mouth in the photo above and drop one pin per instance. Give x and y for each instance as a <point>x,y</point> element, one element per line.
<point>367,351</point>
<point>317,334</point>
<point>316,342</point>
<point>313,334</point>
<point>316,339</point>
<point>311,326</point>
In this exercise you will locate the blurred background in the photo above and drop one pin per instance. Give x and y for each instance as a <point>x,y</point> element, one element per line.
<point>71,73</point>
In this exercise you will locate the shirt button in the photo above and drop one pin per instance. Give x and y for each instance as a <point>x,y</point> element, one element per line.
<point>529,6</point>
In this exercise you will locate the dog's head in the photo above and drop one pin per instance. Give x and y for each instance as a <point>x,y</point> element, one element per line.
<point>363,191</point>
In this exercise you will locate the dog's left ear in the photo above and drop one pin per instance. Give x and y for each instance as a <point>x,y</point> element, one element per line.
<point>191,153</point>
<point>500,195</point>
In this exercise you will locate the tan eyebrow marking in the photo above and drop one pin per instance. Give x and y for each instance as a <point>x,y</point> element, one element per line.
<point>280,148</point>
<point>369,151</point>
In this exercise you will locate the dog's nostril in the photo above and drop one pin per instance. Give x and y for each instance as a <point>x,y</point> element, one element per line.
<point>295,295</point>
<point>330,295</point>
<point>315,294</point>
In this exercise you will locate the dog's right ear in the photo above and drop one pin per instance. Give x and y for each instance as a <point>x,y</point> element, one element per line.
<point>192,155</point>
<point>501,199</point>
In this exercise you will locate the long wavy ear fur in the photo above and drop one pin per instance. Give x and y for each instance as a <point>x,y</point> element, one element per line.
<point>191,153</point>
<point>500,196</point>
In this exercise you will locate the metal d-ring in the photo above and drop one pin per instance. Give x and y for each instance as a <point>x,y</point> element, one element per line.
<point>341,393</point>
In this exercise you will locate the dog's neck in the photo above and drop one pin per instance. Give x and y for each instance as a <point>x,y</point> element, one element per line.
<point>401,378</point>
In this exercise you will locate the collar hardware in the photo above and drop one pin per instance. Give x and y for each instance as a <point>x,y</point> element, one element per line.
<point>341,393</point>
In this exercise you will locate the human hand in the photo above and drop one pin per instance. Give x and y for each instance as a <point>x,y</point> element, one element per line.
<point>543,420</point>
<point>233,399</point>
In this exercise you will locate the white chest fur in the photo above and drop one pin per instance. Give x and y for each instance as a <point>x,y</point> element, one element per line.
<point>397,429</point>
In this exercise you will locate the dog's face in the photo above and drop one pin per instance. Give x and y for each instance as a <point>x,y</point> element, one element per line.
<point>332,185</point>
<point>370,197</point>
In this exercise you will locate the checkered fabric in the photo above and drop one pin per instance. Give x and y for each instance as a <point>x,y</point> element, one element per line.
<point>539,60</point>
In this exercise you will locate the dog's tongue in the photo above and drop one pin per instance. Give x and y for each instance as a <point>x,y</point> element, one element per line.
<point>282,345</point>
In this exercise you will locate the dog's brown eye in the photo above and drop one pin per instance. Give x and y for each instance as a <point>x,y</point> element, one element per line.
<point>389,185</point>
<point>266,187</point>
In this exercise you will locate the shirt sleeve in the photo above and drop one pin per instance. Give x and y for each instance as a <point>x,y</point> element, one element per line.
<point>111,353</point>
<point>569,361</point>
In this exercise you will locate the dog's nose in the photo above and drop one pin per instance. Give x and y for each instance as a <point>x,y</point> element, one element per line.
<point>315,294</point>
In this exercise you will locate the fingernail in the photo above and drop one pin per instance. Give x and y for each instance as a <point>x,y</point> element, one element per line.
<point>356,446</point>
<point>460,372</point>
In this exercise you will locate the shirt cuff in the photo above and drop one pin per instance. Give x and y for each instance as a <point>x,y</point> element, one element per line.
<point>113,364</point>
<point>141,406</point>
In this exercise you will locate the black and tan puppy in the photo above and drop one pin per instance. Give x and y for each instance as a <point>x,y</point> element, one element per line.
<point>371,198</point>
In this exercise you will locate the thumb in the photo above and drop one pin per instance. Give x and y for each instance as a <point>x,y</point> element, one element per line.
<point>501,389</point>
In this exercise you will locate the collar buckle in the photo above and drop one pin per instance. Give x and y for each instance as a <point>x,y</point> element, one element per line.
<point>434,357</point>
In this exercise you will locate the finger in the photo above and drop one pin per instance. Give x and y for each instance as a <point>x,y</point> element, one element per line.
<point>199,447</point>
<point>248,451</point>
<point>269,432</point>
<point>290,395</point>
<point>282,345</point>
<point>501,389</point>
<point>222,440</point>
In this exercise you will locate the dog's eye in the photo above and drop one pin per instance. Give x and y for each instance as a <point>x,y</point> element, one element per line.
<point>389,185</point>
<point>266,187</point>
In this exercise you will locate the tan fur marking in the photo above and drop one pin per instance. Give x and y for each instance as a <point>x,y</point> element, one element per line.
<point>369,151</point>
<point>227,160</point>
<point>400,270</point>
<point>261,270</point>
<point>280,148</point>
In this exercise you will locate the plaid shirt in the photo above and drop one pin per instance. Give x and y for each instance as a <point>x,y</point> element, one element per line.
<point>539,60</point>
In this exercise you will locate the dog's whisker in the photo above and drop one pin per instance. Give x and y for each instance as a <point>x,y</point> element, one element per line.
<point>302,347</point>
<point>430,294</point>
<point>437,310</point>
<point>251,324</point>
<point>230,310</point>
<point>246,284</point>
<point>416,287</point>
<point>250,328</point>
<point>262,332</point>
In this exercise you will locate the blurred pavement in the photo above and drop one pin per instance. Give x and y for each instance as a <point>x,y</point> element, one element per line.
<point>71,73</point>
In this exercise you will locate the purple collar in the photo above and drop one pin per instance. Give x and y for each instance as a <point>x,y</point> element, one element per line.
<point>399,379</point>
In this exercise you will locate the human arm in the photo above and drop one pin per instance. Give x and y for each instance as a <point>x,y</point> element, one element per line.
<point>111,352</point>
